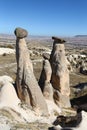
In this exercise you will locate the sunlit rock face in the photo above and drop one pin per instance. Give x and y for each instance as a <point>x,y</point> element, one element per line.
<point>44,80</point>
<point>26,83</point>
<point>8,96</point>
<point>60,73</point>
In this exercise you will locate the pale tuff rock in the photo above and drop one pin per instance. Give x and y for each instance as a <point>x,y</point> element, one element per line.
<point>53,108</point>
<point>45,74</point>
<point>48,91</point>
<point>5,78</point>
<point>6,51</point>
<point>45,78</point>
<point>60,73</point>
<point>27,86</point>
<point>8,96</point>
<point>61,100</point>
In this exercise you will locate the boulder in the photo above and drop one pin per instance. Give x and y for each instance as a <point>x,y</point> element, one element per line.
<point>68,121</point>
<point>46,56</point>
<point>58,40</point>
<point>83,68</point>
<point>20,33</point>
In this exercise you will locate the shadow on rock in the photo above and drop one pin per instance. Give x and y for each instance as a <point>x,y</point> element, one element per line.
<point>54,128</point>
<point>81,86</point>
<point>68,121</point>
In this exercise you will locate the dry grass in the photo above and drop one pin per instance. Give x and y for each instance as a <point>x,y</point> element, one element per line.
<point>30,126</point>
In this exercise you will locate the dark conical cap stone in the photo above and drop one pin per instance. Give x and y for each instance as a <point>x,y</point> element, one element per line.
<point>58,40</point>
<point>20,33</point>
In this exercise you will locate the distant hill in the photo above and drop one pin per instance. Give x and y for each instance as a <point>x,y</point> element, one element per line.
<point>80,36</point>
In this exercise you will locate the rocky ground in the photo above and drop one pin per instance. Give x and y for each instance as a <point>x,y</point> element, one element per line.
<point>76,57</point>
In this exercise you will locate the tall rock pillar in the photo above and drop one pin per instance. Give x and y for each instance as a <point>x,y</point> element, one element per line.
<point>60,73</point>
<point>44,80</point>
<point>27,86</point>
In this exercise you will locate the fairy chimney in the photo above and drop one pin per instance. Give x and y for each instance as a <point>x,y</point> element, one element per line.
<point>45,78</point>
<point>27,86</point>
<point>60,73</point>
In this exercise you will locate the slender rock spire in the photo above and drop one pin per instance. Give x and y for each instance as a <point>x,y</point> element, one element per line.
<point>27,86</point>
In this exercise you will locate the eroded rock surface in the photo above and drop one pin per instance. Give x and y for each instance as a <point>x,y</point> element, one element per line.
<point>27,86</point>
<point>60,73</point>
<point>45,78</point>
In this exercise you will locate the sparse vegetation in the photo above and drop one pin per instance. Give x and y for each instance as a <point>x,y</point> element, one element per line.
<point>8,67</point>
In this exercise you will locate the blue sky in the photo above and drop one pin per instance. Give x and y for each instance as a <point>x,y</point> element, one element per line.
<point>44,17</point>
